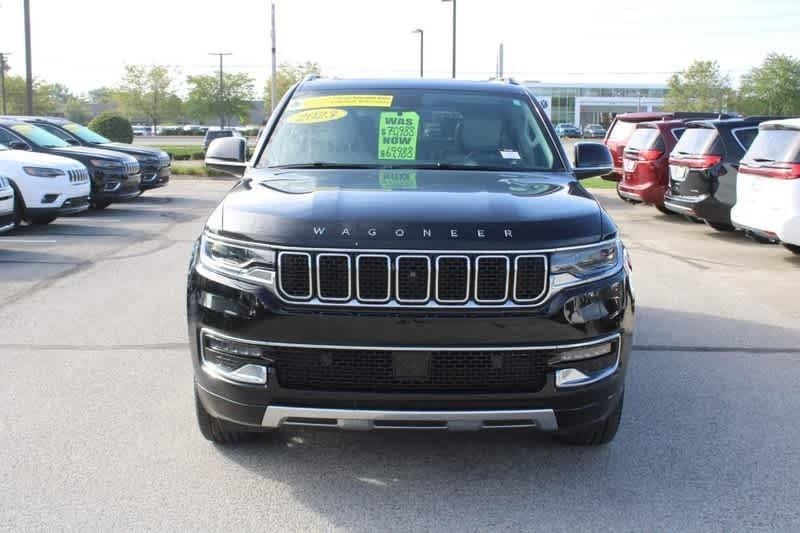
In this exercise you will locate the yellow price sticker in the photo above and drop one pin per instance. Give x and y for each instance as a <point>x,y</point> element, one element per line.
<point>314,116</point>
<point>343,100</point>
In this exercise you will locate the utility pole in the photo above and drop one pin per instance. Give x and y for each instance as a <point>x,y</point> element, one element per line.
<point>454,35</point>
<point>273,89</point>
<point>421,51</point>
<point>28,66</point>
<point>221,88</point>
<point>3,78</point>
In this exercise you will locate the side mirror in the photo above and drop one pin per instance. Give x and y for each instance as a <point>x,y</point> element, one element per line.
<point>592,159</point>
<point>18,145</point>
<point>228,154</point>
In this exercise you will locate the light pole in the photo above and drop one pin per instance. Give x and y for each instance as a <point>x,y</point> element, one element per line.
<point>3,77</point>
<point>421,51</point>
<point>273,91</point>
<point>28,66</point>
<point>221,88</point>
<point>454,35</point>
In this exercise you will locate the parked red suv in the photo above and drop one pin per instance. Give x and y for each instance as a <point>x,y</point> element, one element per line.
<point>645,162</point>
<point>624,124</point>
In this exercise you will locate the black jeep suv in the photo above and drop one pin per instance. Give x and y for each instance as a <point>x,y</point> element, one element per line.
<point>115,176</point>
<point>154,163</point>
<point>409,254</point>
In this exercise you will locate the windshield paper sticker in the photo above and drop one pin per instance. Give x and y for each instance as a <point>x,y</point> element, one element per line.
<point>314,116</point>
<point>397,179</point>
<point>397,135</point>
<point>343,100</point>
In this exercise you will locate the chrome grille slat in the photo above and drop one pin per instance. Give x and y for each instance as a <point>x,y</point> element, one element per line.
<point>419,279</point>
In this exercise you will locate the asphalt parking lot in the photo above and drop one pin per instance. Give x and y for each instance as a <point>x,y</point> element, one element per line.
<point>97,426</point>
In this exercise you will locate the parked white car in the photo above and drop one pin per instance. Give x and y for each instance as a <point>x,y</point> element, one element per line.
<point>6,205</point>
<point>768,184</point>
<point>47,186</point>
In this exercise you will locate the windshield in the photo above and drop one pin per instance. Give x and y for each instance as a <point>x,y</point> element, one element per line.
<point>643,138</point>
<point>85,134</point>
<point>775,145</point>
<point>621,131</point>
<point>410,128</point>
<point>699,141</point>
<point>38,136</point>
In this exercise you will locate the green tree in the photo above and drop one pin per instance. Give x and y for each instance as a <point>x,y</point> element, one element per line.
<point>77,110</point>
<point>202,104</point>
<point>146,94</point>
<point>113,126</point>
<point>287,75</point>
<point>48,98</point>
<point>773,88</point>
<point>701,87</point>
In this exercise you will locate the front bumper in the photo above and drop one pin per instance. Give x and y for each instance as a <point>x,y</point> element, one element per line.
<point>153,178</point>
<point>69,206</point>
<point>255,315</point>
<point>116,187</point>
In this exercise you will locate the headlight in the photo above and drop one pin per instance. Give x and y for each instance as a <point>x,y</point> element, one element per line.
<point>147,159</point>
<point>43,172</point>
<point>571,267</point>
<point>102,163</point>
<point>239,261</point>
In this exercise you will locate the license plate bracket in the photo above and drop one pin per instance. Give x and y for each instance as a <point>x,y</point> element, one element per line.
<point>411,364</point>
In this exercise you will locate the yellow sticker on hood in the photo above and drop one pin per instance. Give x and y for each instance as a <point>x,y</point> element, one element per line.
<point>343,100</point>
<point>313,116</point>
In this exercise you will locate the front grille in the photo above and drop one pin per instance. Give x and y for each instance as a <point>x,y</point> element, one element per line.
<point>294,274</point>
<point>491,281</point>
<point>410,371</point>
<point>132,168</point>
<point>412,279</point>
<point>78,175</point>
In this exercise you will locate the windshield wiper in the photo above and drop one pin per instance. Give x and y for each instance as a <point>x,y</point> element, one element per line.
<point>456,166</point>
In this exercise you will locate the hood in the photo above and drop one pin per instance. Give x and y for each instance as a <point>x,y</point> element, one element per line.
<point>140,151</point>
<point>421,209</point>
<point>78,152</point>
<point>36,158</point>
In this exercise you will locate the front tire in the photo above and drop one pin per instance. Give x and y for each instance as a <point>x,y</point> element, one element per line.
<point>598,433</point>
<point>216,430</point>
<point>792,248</point>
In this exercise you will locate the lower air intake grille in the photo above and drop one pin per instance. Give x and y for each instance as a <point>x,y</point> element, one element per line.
<point>411,371</point>
<point>295,274</point>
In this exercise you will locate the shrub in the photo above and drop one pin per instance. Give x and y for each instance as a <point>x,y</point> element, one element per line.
<point>114,126</point>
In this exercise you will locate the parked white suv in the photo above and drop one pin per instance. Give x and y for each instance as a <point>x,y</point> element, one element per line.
<point>768,185</point>
<point>47,186</point>
<point>6,205</point>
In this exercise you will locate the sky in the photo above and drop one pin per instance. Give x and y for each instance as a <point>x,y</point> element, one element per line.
<point>85,44</point>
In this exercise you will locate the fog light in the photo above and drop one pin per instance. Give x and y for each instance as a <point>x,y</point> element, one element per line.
<point>49,198</point>
<point>233,347</point>
<point>579,354</point>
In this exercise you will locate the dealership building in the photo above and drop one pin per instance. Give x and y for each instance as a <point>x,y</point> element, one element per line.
<point>595,103</point>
